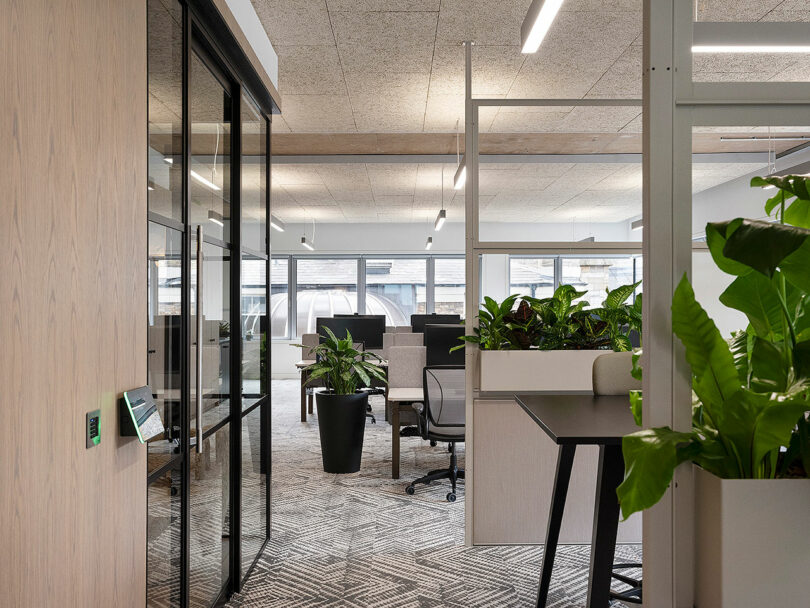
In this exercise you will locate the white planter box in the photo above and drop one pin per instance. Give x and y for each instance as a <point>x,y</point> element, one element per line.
<point>537,370</point>
<point>752,544</point>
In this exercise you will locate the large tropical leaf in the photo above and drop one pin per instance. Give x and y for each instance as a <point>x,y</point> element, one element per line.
<point>796,266</point>
<point>770,366</point>
<point>798,214</point>
<point>716,238</point>
<point>636,402</point>
<point>774,427</point>
<point>706,351</point>
<point>762,245</point>
<point>650,458</point>
<point>758,298</point>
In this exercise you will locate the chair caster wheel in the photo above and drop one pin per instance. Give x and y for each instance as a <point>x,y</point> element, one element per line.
<point>410,490</point>
<point>432,443</point>
<point>451,497</point>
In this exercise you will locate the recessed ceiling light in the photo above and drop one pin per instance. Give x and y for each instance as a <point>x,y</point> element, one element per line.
<point>537,22</point>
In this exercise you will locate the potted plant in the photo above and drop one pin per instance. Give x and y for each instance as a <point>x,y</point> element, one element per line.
<point>342,406</point>
<point>550,343</point>
<point>750,436</point>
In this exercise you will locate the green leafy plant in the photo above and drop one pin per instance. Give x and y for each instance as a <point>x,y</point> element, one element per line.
<point>343,368</point>
<point>751,396</point>
<point>557,322</point>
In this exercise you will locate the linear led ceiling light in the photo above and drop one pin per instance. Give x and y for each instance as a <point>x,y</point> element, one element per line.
<point>276,223</point>
<point>216,218</point>
<point>637,225</point>
<point>440,220</point>
<point>307,245</point>
<point>429,243</point>
<point>753,37</point>
<point>537,22</point>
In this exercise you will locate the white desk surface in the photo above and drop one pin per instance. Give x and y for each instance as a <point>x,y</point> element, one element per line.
<point>406,394</point>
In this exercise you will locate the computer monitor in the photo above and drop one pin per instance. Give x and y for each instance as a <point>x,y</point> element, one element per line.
<point>439,339</point>
<point>368,330</point>
<point>418,322</point>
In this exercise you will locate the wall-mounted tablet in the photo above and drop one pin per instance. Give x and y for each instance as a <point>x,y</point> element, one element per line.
<point>139,415</point>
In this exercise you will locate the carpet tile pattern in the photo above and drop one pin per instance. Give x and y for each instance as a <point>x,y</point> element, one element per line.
<point>358,541</point>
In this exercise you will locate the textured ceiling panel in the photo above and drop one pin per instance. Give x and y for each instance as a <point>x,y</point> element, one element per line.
<point>396,66</point>
<point>531,192</point>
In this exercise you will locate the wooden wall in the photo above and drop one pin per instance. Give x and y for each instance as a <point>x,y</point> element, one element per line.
<point>72,300</point>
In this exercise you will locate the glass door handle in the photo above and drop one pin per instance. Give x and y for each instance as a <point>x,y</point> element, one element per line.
<point>199,339</point>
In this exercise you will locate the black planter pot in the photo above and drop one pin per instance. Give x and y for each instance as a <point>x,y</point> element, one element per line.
<point>342,424</point>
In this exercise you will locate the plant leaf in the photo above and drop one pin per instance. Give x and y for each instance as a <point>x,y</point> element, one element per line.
<point>620,294</point>
<point>796,267</point>
<point>798,214</point>
<point>716,238</point>
<point>635,406</point>
<point>706,351</point>
<point>763,245</point>
<point>650,458</point>
<point>758,298</point>
<point>770,368</point>
<point>774,426</point>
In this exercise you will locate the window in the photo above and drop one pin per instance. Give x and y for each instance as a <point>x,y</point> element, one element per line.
<point>594,275</point>
<point>532,277</point>
<point>397,288</point>
<point>279,287</point>
<point>449,296</point>
<point>324,287</point>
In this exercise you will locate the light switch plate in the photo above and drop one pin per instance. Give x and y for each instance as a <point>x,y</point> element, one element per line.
<point>93,428</point>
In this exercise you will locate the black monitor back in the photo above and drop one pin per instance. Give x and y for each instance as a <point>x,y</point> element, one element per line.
<point>368,330</point>
<point>439,339</point>
<point>418,322</point>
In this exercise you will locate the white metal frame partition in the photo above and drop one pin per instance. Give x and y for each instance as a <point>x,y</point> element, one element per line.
<point>673,104</point>
<point>474,247</point>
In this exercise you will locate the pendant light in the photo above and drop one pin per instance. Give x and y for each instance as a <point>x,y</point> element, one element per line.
<point>536,24</point>
<point>309,244</point>
<point>442,217</point>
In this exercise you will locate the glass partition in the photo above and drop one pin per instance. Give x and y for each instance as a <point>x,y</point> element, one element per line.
<point>448,283</point>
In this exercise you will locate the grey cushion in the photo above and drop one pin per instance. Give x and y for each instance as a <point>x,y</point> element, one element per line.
<point>611,374</point>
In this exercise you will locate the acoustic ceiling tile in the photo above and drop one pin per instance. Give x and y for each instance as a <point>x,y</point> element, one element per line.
<point>309,70</point>
<point>318,113</point>
<point>299,22</point>
<point>380,30</point>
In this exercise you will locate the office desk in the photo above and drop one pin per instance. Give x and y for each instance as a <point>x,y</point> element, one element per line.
<point>399,398</point>
<point>572,420</point>
<point>307,403</point>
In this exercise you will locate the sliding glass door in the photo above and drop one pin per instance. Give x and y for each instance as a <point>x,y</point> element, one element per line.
<point>208,476</point>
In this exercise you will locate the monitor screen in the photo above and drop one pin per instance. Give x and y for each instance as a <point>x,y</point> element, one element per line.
<point>368,330</point>
<point>418,322</point>
<point>439,339</point>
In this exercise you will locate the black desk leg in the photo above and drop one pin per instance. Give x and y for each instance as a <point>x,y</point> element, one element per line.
<point>565,460</point>
<point>605,524</point>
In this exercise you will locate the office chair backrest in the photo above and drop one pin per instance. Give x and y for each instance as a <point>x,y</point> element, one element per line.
<point>409,340</point>
<point>403,329</point>
<point>405,365</point>
<point>611,374</point>
<point>309,341</point>
<point>444,389</point>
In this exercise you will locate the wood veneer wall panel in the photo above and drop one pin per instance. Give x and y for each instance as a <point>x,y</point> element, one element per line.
<point>72,300</point>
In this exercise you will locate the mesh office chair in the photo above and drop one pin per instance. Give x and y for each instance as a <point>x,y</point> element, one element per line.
<point>442,418</point>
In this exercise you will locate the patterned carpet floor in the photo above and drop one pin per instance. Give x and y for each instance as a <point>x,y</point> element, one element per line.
<point>358,541</point>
